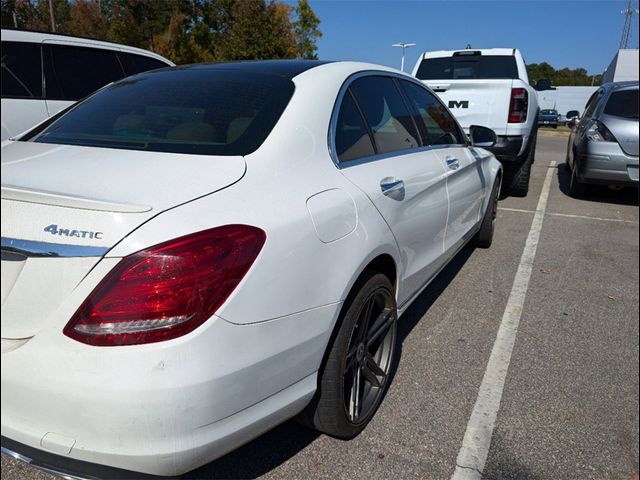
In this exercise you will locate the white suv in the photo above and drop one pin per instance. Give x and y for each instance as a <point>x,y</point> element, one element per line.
<point>43,73</point>
<point>489,87</point>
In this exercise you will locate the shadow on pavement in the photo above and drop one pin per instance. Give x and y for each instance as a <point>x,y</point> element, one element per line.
<point>599,193</point>
<point>275,447</point>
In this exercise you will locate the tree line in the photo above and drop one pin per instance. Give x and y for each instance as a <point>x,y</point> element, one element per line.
<point>184,31</point>
<point>544,75</point>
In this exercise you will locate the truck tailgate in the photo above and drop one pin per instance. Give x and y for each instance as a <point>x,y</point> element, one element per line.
<point>476,102</point>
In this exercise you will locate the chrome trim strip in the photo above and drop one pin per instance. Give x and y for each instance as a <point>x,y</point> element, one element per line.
<point>380,156</point>
<point>31,248</point>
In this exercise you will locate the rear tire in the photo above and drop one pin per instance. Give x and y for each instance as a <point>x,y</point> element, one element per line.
<point>484,237</point>
<point>356,371</point>
<point>576,188</point>
<point>516,176</point>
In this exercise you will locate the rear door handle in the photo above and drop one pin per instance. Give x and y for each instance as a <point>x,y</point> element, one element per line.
<point>390,186</point>
<point>452,163</point>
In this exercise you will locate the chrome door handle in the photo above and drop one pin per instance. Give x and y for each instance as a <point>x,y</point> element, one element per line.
<point>452,163</point>
<point>390,186</point>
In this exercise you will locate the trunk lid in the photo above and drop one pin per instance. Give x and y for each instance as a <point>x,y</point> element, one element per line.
<point>626,132</point>
<point>64,207</point>
<point>476,102</point>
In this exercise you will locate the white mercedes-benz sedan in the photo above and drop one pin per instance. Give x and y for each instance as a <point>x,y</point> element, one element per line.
<point>191,256</point>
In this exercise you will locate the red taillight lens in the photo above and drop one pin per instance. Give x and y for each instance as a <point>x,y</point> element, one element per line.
<point>518,105</point>
<point>168,290</point>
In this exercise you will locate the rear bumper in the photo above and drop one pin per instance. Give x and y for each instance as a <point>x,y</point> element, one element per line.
<point>606,163</point>
<point>507,149</point>
<point>160,409</point>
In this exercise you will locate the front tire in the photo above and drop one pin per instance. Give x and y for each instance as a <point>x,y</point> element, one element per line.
<point>357,368</point>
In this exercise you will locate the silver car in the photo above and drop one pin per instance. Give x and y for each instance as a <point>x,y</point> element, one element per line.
<point>603,146</point>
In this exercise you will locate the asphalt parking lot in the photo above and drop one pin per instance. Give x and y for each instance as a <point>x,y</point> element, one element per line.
<point>569,406</point>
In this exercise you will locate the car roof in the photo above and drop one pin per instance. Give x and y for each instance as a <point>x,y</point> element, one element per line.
<point>31,36</point>
<point>620,85</point>
<point>282,68</point>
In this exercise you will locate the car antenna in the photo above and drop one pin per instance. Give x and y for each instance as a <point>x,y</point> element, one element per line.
<point>468,47</point>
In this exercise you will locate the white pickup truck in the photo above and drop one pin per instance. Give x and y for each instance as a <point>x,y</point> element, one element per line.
<point>489,87</point>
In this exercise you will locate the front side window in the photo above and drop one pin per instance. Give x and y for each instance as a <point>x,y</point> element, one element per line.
<point>437,125</point>
<point>623,104</point>
<point>21,70</point>
<point>198,110</point>
<point>72,73</point>
<point>385,113</point>
<point>352,138</point>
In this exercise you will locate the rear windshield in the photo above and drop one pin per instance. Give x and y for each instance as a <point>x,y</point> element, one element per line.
<point>623,104</point>
<point>207,111</point>
<point>468,67</point>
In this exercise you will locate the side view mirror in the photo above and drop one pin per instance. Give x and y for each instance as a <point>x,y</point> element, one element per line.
<point>482,136</point>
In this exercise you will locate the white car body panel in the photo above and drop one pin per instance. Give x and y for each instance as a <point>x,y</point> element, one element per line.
<point>168,407</point>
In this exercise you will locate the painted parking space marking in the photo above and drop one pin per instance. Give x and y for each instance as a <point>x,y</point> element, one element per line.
<point>477,438</point>
<point>567,215</point>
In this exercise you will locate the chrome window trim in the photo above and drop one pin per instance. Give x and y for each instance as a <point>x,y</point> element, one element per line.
<point>380,156</point>
<point>31,248</point>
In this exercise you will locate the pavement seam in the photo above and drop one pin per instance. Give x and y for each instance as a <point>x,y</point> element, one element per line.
<point>477,438</point>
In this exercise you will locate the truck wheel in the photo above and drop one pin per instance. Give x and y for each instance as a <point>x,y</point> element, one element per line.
<point>516,176</point>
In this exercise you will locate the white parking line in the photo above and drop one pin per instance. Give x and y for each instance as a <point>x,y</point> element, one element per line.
<point>567,215</point>
<point>477,438</point>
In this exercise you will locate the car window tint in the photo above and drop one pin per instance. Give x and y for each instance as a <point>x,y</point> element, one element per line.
<point>592,103</point>
<point>72,73</point>
<point>385,113</point>
<point>21,70</point>
<point>436,123</point>
<point>623,104</point>
<point>462,67</point>
<point>352,138</point>
<point>133,63</point>
<point>198,110</point>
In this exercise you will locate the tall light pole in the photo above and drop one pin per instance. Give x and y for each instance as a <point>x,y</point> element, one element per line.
<point>403,46</point>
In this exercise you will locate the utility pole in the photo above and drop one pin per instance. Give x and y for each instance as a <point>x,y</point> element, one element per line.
<point>53,20</point>
<point>403,46</point>
<point>628,24</point>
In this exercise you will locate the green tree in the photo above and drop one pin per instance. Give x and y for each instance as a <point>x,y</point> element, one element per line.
<point>306,30</point>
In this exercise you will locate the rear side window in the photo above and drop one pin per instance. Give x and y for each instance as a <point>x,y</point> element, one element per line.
<point>72,73</point>
<point>352,138</point>
<point>198,110</point>
<point>463,67</point>
<point>133,63</point>
<point>592,103</point>
<point>623,104</point>
<point>21,70</point>
<point>385,113</point>
<point>437,125</point>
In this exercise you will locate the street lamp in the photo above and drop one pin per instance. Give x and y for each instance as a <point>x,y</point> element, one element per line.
<point>403,46</point>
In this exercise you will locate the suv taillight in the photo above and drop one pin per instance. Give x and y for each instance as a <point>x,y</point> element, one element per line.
<point>518,105</point>
<point>168,290</point>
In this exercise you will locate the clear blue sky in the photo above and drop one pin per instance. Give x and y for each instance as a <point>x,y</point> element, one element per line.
<point>580,33</point>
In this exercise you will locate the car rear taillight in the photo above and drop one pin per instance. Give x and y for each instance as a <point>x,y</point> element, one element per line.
<point>597,132</point>
<point>168,290</point>
<point>518,105</point>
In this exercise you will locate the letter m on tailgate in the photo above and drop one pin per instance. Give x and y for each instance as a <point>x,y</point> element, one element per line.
<point>458,104</point>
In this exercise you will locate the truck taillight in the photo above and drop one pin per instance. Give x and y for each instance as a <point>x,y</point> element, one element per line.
<point>518,105</point>
<point>168,290</point>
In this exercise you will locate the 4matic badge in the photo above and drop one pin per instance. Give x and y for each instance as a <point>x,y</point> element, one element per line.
<point>53,229</point>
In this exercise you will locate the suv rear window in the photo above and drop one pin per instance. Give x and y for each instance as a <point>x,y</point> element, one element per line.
<point>207,111</point>
<point>623,104</point>
<point>464,67</point>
